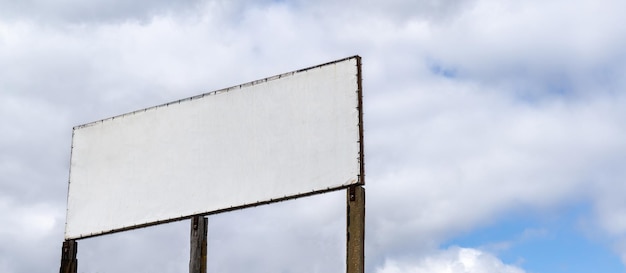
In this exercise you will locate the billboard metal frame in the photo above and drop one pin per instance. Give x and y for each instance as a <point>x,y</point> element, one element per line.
<point>355,224</point>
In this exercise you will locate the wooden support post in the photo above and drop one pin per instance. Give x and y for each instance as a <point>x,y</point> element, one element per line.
<point>355,260</point>
<point>69,263</point>
<point>197,259</point>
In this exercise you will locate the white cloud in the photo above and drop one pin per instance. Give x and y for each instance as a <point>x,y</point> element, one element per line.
<point>452,260</point>
<point>456,157</point>
<point>532,45</point>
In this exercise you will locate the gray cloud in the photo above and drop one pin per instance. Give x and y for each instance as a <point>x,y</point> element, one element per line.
<point>71,11</point>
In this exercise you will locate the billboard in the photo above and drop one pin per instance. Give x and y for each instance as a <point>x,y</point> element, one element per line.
<point>282,137</point>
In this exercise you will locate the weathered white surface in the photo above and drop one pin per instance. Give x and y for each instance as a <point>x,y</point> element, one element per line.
<point>285,136</point>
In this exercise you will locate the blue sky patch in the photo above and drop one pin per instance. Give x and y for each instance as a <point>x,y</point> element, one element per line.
<point>552,243</point>
<point>443,71</point>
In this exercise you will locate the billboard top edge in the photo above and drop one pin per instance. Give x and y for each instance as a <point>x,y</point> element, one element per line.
<point>223,90</point>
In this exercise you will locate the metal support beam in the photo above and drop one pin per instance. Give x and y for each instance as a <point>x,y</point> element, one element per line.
<point>355,254</point>
<point>198,243</point>
<point>69,263</point>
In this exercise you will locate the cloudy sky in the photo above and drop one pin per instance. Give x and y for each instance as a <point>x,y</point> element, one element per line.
<point>495,131</point>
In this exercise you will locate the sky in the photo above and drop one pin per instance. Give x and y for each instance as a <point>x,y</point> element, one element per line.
<point>495,131</point>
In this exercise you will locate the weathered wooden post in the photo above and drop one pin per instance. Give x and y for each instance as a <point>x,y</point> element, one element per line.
<point>355,252</point>
<point>198,244</point>
<point>69,263</point>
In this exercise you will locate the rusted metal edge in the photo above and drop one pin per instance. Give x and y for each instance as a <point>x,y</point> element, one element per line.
<point>360,109</point>
<point>276,200</point>
<point>69,181</point>
<point>224,90</point>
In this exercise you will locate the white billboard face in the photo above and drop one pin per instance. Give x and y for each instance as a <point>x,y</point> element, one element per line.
<point>282,137</point>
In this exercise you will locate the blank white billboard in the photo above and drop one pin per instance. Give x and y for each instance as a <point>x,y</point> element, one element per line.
<point>286,136</point>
